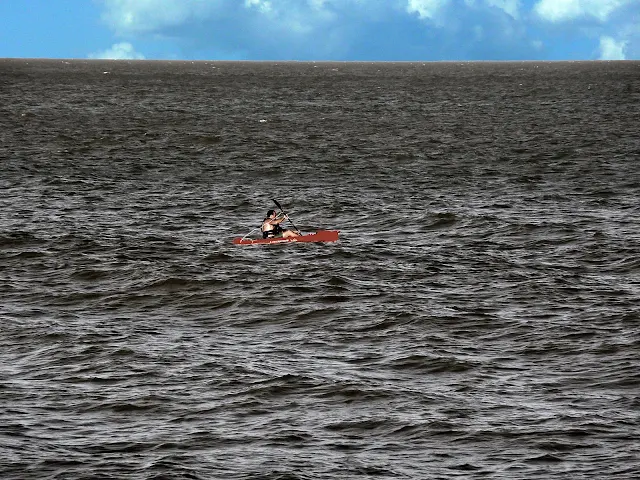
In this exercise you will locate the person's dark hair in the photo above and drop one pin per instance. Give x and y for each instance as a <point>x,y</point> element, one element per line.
<point>270,212</point>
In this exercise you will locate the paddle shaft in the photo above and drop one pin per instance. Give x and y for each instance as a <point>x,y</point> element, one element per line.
<point>285,214</point>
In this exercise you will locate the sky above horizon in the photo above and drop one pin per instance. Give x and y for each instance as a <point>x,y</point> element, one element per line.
<point>341,30</point>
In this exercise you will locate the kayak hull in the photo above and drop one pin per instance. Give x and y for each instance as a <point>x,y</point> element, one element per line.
<point>319,236</point>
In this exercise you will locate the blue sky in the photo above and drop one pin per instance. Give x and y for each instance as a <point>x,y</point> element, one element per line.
<point>377,30</point>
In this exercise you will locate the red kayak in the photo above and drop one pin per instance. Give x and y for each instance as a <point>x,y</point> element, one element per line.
<point>319,236</point>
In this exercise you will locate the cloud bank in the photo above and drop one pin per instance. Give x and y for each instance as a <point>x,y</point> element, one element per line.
<point>118,51</point>
<point>381,29</point>
<point>566,10</point>
<point>611,50</point>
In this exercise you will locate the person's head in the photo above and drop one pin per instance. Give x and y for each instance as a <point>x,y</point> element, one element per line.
<point>271,213</point>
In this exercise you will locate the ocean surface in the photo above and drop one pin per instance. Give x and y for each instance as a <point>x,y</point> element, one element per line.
<point>478,318</point>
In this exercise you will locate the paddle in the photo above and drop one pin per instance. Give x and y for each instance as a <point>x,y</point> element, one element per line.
<point>285,214</point>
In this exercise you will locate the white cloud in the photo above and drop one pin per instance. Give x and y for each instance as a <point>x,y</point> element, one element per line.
<point>118,51</point>
<point>135,17</point>
<point>511,7</point>
<point>139,16</point>
<point>564,10</point>
<point>426,8</point>
<point>612,50</point>
<point>262,5</point>
<point>317,4</point>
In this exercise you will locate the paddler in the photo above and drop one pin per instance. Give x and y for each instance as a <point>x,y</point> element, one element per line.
<point>271,226</point>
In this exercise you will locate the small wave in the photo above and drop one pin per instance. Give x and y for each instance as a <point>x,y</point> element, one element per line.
<point>317,314</point>
<point>170,283</point>
<point>442,220</point>
<point>546,458</point>
<point>29,254</point>
<point>555,446</point>
<point>431,364</point>
<point>133,407</point>
<point>358,425</point>
<point>89,274</point>
<point>465,467</point>
<point>205,139</point>
<point>182,284</point>
<point>18,239</point>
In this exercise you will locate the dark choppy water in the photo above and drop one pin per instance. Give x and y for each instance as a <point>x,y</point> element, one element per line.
<point>479,317</point>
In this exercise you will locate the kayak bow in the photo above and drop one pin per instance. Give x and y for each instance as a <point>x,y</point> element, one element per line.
<point>319,236</point>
